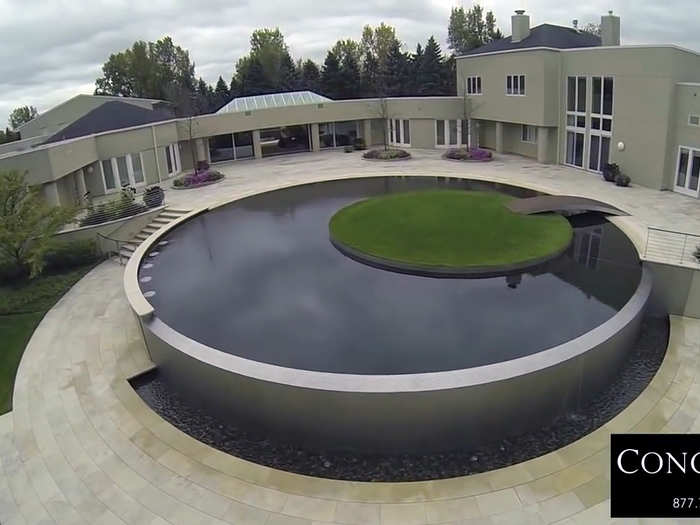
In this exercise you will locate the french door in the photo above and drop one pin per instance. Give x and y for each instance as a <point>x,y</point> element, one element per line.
<point>687,171</point>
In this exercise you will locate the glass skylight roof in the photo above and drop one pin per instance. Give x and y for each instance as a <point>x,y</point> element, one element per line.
<point>273,100</point>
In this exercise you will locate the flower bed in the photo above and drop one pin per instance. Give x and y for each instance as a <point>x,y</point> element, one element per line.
<point>469,154</point>
<point>198,179</point>
<point>388,154</point>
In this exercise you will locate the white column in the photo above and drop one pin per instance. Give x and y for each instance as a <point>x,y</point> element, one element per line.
<point>543,145</point>
<point>82,186</point>
<point>315,139</point>
<point>499,137</point>
<point>257,148</point>
<point>367,132</point>
<point>50,190</point>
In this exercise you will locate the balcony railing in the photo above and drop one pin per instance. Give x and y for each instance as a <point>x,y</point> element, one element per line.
<point>125,204</point>
<point>672,247</point>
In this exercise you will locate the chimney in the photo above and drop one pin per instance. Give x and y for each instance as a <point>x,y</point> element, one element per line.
<point>521,26</point>
<point>610,30</point>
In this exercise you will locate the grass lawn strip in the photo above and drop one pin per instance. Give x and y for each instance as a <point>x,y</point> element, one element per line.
<point>22,307</point>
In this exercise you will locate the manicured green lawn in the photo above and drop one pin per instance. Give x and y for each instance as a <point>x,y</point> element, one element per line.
<point>452,228</point>
<point>22,307</point>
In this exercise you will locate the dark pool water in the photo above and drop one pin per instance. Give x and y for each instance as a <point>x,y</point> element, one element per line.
<point>259,278</point>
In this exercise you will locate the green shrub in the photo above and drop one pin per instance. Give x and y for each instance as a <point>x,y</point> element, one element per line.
<point>388,154</point>
<point>68,255</point>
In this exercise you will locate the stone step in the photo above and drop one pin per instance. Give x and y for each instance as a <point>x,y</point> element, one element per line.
<point>130,247</point>
<point>167,215</point>
<point>150,229</point>
<point>141,236</point>
<point>159,220</point>
<point>178,211</point>
<point>125,255</point>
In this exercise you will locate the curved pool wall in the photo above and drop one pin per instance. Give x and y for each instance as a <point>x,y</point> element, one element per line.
<point>433,411</point>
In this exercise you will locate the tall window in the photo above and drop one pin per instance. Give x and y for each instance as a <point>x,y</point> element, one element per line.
<point>126,170</point>
<point>399,131</point>
<point>451,133</point>
<point>515,85</point>
<point>528,133</point>
<point>601,122</point>
<point>172,159</point>
<point>575,120</point>
<point>473,85</point>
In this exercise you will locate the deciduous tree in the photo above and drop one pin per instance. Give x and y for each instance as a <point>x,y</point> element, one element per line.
<point>22,115</point>
<point>27,223</point>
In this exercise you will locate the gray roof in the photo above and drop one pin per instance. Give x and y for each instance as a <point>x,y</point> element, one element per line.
<point>544,35</point>
<point>109,116</point>
<point>273,100</point>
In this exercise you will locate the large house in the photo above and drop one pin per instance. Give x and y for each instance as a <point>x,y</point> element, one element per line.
<point>553,93</point>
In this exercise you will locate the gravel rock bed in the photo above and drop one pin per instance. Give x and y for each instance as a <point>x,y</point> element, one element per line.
<point>272,451</point>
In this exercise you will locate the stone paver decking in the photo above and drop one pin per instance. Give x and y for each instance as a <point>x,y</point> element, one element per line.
<point>81,447</point>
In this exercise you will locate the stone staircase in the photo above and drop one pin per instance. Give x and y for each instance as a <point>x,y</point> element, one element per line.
<point>163,218</point>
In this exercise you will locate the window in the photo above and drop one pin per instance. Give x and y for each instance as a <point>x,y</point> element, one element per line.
<point>515,85</point>
<point>440,131</point>
<point>399,132</point>
<point>126,170</point>
<point>108,175</point>
<point>473,85</point>
<point>172,159</point>
<point>528,133</point>
<point>600,133</point>
<point>449,133</point>
<point>694,120</point>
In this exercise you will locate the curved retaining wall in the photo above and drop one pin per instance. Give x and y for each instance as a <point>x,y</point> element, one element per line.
<point>410,412</point>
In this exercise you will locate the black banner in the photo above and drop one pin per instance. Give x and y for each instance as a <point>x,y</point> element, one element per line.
<point>655,476</point>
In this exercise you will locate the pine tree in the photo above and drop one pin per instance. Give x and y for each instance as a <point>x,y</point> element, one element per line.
<point>369,77</point>
<point>289,76</point>
<point>331,82</point>
<point>396,76</point>
<point>415,66</point>
<point>310,76</point>
<point>350,77</point>
<point>431,71</point>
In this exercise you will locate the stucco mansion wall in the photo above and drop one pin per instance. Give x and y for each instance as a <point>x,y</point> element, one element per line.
<point>540,104</point>
<point>687,102</point>
<point>644,94</point>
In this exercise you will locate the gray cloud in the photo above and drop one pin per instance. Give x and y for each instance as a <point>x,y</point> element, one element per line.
<point>54,50</point>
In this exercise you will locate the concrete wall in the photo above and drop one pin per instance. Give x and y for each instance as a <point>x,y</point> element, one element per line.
<point>512,133</point>
<point>487,134</point>
<point>70,156</point>
<point>677,289</point>
<point>122,229</point>
<point>422,133</point>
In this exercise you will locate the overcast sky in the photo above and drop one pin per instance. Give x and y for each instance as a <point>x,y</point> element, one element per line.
<point>54,49</point>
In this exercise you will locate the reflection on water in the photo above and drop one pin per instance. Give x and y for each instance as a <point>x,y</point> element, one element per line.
<point>260,279</point>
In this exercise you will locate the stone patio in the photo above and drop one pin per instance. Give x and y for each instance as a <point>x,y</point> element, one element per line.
<point>81,447</point>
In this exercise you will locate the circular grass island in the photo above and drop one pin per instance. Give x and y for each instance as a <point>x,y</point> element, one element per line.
<point>447,232</point>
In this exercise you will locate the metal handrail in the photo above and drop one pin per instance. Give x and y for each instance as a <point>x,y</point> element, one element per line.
<point>118,242</point>
<point>676,247</point>
<point>122,205</point>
